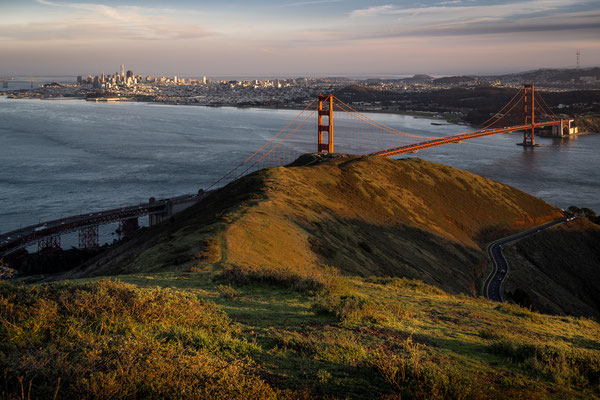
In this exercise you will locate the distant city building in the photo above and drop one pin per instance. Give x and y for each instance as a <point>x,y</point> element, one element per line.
<point>130,74</point>
<point>122,74</point>
<point>79,79</point>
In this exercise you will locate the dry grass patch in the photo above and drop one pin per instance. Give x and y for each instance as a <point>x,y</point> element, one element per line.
<point>108,339</point>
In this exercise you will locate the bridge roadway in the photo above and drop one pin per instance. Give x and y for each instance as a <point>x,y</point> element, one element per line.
<point>24,237</point>
<point>411,148</point>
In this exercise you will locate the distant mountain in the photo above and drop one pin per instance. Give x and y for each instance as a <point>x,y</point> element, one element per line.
<point>454,80</point>
<point>545,75</point>
<point>420,77</point>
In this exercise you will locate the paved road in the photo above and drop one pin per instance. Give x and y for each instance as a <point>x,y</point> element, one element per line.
<point>493,286</point>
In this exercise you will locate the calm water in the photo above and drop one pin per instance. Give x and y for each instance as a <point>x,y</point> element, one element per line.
<point>60,158</point>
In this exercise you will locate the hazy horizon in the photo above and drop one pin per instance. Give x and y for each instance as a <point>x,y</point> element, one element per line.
<point>296,38</point>
<point>356,76</point>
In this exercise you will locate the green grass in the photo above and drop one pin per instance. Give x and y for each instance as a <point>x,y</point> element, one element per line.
<point>260,292</point>
<point>362,215</point>
<point>355,337</point>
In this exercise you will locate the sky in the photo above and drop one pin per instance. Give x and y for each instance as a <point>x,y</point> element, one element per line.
<point>296,37</point>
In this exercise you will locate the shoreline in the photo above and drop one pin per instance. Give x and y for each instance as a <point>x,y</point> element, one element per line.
<point>416,114</point>
<point>449,119</point>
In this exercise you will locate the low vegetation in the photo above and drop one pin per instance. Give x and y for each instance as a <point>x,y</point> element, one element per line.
<point>298,282</point>
<point>558,270</point>
<point>108,339</point>
<point>362,215</point>
<point>175,334</point>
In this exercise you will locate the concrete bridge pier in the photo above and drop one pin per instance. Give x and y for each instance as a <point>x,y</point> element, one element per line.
<point>154,219</point>
<point>128,227</point>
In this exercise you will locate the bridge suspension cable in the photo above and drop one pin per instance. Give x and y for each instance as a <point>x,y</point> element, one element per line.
<point>505,114</point>
<point>277,145</point>
<point>363,135</point>
<point>543,102</point>
<point>501,111</point>
<point>228,174</point>
<point>347,108</point>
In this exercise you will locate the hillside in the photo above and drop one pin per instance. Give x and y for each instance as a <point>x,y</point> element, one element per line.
<point>557,271</point>
<point>363,216</point>
<point>588,123</point>
<point>233,299</point>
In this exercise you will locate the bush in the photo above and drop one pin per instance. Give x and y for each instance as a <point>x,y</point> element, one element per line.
<point>227,291</point>
<point>349,309</point>
<point>107,339</point>
<point>404,283</point>
<point>325,279</point>
<point>410,374</point>
<point>561,365</point>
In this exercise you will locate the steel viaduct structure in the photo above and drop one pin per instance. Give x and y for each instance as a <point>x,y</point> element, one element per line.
<point>48,234</point>
<point>357,134</point>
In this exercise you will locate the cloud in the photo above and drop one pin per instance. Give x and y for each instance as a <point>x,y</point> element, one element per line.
<point>308,3</point>
<point>374,11</point>
<point>447,10</point>
<point>551,16</point>
<point>97,21</point>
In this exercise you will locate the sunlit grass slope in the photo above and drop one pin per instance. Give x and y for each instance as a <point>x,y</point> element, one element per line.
<point>200,335</point>
<point>285,284</point>
<point>364,216</point>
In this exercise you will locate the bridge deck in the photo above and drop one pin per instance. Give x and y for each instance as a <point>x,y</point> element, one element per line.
<point>20,238</point>
<point>457,138</point>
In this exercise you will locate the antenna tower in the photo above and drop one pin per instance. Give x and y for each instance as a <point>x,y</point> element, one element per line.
<point>578,56</point>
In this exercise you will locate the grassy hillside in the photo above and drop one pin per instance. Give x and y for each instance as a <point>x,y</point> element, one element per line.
<point>558,270</point>
<point>284,285</point>
<point>194,335</point>
<point>363,216</point>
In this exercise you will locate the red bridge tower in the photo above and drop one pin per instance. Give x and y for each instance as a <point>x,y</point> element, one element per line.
<point>529,111</point>
<point>325,128</point>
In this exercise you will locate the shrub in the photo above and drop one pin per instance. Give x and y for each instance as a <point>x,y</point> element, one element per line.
<point>414,285</point>
<point>107,339</point>
<point>410,374</point>
<point>561,365</point>
<point>349,309</point>
<point>227,291</point>
<point>329,345</point>
<point>311,281</point>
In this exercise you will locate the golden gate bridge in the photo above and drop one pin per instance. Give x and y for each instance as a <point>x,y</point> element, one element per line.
<point>356,134</point>
<point>361,135</point>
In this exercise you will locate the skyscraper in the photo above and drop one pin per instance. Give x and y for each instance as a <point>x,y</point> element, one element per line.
<point>122,71</point>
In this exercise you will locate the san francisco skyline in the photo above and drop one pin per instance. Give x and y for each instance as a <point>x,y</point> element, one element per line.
<point>318,37</point>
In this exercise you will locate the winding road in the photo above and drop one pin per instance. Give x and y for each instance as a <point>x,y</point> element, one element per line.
<point>494,284</point>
